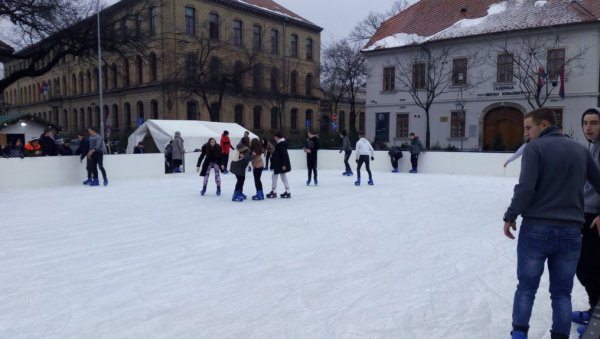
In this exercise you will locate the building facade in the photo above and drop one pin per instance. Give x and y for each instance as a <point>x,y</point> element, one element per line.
<point>482,74</point>
<point>279,50</point>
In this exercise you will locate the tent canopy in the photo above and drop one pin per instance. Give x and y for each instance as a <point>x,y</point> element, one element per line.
<point>195,133</point>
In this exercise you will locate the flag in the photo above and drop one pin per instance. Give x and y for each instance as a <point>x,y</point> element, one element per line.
<point>541,80</point>
<point>561,90</point>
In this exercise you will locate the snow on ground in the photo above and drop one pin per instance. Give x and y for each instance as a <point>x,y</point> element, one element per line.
<point>415,256</point>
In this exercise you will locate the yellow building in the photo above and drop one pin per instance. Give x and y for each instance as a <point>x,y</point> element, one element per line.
<point>271,53</point>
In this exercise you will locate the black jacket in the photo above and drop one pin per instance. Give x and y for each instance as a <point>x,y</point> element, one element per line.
<point>280,158</point>
<point>48,145</point>
<point>312,144</point>
<point>209,154</point>
<point>83,149</point>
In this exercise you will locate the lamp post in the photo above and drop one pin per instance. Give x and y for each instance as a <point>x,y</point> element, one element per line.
<point>100,77</point>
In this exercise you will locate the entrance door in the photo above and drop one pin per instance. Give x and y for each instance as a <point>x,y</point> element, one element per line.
<point>503,129</point>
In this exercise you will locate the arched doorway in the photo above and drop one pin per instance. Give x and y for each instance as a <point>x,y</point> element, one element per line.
<point>503,129</point>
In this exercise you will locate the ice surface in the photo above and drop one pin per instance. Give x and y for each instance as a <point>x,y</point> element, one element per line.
<point>414,256</point>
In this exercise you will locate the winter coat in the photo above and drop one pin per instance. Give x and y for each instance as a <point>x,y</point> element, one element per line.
<point>48,145</point>
<point>395,152</point>
<point>281,158</point>
<point>257,161</point>
<point>363,147</point>
<point>15,151</point>
<point>225,144</point>
<point>416,146</point>
<point>238,167</point>
<point>312,145</point>
<point>590,196</point>
<point>209,154</point>
<point>83,148</point>
<point>346,147</point>
<point>178,150</point>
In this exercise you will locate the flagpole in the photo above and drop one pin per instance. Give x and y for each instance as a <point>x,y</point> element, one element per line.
<point>100,76</point>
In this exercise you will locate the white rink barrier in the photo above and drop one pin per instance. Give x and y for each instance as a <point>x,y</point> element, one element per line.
<point>68,170</point>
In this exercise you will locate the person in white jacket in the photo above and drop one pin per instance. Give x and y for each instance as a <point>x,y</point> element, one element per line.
<point>364,150</point>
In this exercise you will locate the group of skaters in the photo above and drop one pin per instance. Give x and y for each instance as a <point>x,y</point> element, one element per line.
<point>557,198</point>
<point>47,144</point>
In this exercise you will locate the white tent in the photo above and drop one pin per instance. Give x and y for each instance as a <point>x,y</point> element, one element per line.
<point>194,133</point>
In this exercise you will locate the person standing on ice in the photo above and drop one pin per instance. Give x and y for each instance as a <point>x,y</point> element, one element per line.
<point>363,151</point>
<point>96,156</point>
<point>178,152</point>
<point>256,149</point>
<point>280,164</point>
<point>211,154</point>
<point>588,268</point>
<point>347,149</point>
<point>311,148</point>
<point>238,168</point>
<point>416,147</point>
<point>550,200</point>
<point>225,148</point>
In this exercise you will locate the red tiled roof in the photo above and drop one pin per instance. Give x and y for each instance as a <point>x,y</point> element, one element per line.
<point>275,7</point>
<point>436,18</point>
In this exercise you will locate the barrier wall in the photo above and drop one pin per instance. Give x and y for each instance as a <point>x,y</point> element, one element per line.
<point>56,171</point>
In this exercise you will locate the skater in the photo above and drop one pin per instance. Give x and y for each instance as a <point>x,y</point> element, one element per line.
<point>96,156</point>
<point>238,168</point>
<point>169,157</point>
<point>280,164</point>
<point>363,151</point>
<point>550,200</point>
<point>347,149</point>
<point>518,153</point>
<point>416,147</point>
<point>268,148</point>
<point>178,153</point>
<point>257,150</point>
<point>225,143</point>
<point>82,151</point>
<point>395,154</point>
<point>246,142</point>
<point>311,148</point>
<point>588,268</point>
<point>211,154</point>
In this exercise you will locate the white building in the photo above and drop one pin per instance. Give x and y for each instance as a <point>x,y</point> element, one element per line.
<point>484,58</point>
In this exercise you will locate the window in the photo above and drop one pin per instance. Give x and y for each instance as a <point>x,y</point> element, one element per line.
<point>389,78</point>
<point>418,76</point>
<point>257,37</point>
<point>361,121</point>
<point>274,41</point>
<point>239,114</point>
<point>275,80</point>
<point>82,118</point>
<point>105,76</point>
<point>190,66</point>
<point>309,49</point>
<point>114,74</point>
<point>192,110</point>
<point>459,71</point>
<point>257,77</point>
<point>154,109</point>
<point>213,26</point>
<point>238,70</point>
<point>214,69</point>
<point>505,68</point>
<point>256,117</point>
<point>274,113</point>
<point>457,124</point>
<point>80,82</point>
<point>556,60</point>
<point>215,112</point>
<point>152,14</point>
<point>140,110</point>
<point>309,85</point>
<point>115,116</point>
<point>308,118</point>
<point>126,72</point>
<point>140,69</point>
<point>237,32</point>
<point>89,81</point>
<point>294,46</point>
<point>128,117</point>
<point>402,125</point>
<point>190,20</point>
<point>138,25</point>
<point>294,118</point>
<point>294,83</point>
<point>125,28</point>
<point>75,119</point>
<point>153,67</point>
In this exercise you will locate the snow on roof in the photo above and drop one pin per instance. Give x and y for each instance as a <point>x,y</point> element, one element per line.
<point>273,7</point>
<point>455,19</point>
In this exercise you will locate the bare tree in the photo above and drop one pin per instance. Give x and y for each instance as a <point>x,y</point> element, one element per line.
<point>537,63</point>
<point>369,25</point>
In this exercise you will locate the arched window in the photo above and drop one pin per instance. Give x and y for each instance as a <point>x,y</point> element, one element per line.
<point>215,112</point>
<point>88,75</point>
<point>128,117</point>
<point>154,109</point>
<point>65,122</point>
<point>115,116</point>
<point>238,70</point>
<point>104,77</point>
<point>153,67</point>
<point>309,84</point>
<point>89,122</point>
<point>114,73</point>
<point>309,118</point>
<point>82,118</point>
<point>63,88</point>
<point>140,112</point>
<point>214,69</point>
<point>256,117</point>
<point>239,114</point>
<point>95,83</point>
<point>73,84</point>
<point>75,119</point>
<point>294,118</point>
<point>80,82</point>
<point>294,83</point>
<point>140,69</point>
<point>192,110</point>
<point>274,117</point>
<point>275,80</point>
<point>257,83</point>
<point>361,121</point>
<point>126,79</point>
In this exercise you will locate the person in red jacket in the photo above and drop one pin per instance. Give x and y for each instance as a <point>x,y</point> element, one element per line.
<point>225,148</point>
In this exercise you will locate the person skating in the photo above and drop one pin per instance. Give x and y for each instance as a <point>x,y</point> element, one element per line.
<point>268,148</point>
<point>256,149</point>
<point>178,152</point>
<point>96,156</point>
<point>416,147</point>
<point>238,167</point>
<point>82,151</point>
<point>395,154</point>
<point>311,147</point>
<point>212,155</point>
<point>364,150</point>
<point>226,147</point>
<point>246,142</point>
<point>280,164</point>
<point>347,149</point>
<point>588,267</point>
<point>550,200</point>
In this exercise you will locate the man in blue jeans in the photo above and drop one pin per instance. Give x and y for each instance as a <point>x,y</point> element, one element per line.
<point>549,197</point>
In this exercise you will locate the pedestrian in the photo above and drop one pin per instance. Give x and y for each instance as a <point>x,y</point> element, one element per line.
<point>178,153</point>
<point>310,148</point>
<point>238,167</point>
<point>363,151</point>
<point>169,157</point>
<point>47,143</point>
<point>550,201</point>
<point>256,149</point>
<point>588,268</point>
<point>211,154</point>
<point>395,154</point>
<point>82,151</point>
<point>268,148</point>
<point>139,149</point>
<point>96,155</point>
<point>280,164</point>
<point>226,146</point>
<point>518,153</point>
<point>416,147</point>
<point>347,149</point>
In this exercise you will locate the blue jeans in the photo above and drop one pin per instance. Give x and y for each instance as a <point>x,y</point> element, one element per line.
<point>560,246</point>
